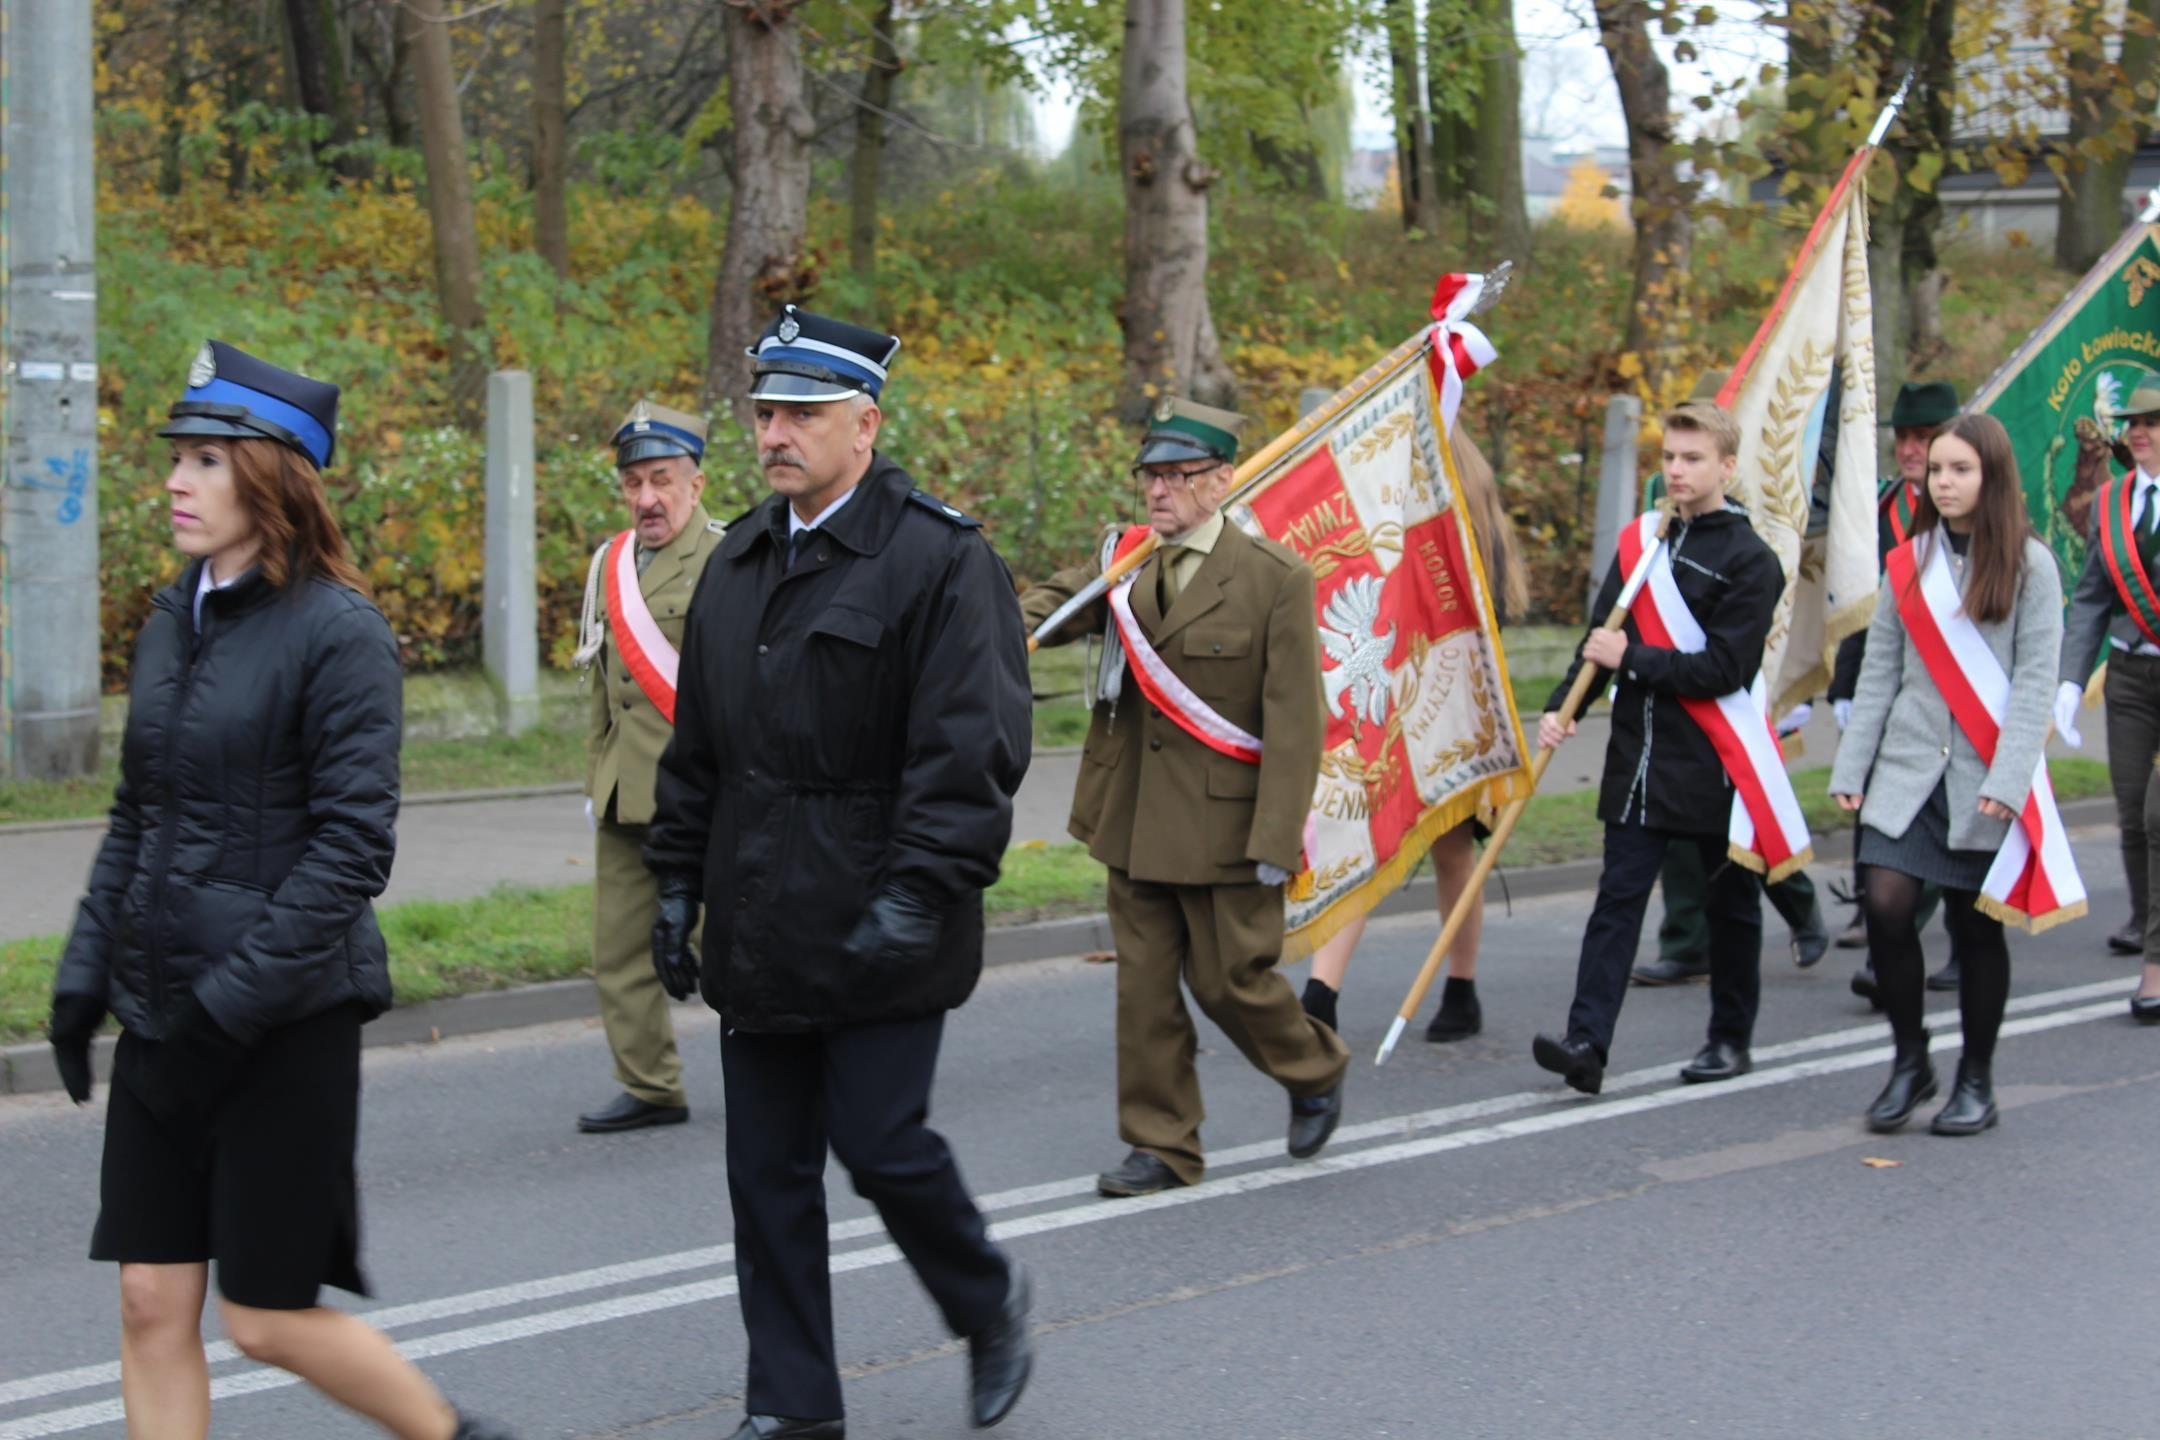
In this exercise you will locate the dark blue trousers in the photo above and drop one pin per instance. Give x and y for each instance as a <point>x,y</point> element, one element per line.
<point>865,1091</point>
<point>1732,902</point>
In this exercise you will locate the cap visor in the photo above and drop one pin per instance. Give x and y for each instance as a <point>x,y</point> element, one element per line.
<point>207,426</point>
<point>801,389</point>
<point>1160,450</point>
<point>649,447</point>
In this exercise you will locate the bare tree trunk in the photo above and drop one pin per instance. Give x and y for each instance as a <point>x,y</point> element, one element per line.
<point>879,77</point>
<point>318,56</point>
<point>762,264</point>
<point>551,159</point>
<point>1413,139</point>
<point>2107,121</point>
<point>450,208</point>
<point>386,71</point>
<point>1502,218</point>
<point>1170,343</point>
<point>177,82</point>
<point>1909,38</point>
<point>1664,224</point>
<point>1810,121</point>
<point>1453,152</point>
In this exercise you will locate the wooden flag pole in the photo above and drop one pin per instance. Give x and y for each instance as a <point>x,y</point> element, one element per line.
<point>1570,707</point>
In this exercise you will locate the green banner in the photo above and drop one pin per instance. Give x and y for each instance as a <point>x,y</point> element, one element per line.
<point>2057,393</point>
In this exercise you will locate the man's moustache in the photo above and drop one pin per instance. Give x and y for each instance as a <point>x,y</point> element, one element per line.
<point>780,457</point>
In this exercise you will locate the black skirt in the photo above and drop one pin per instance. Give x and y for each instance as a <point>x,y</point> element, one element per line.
<point>1924,852</point>
<point>267,1188</point>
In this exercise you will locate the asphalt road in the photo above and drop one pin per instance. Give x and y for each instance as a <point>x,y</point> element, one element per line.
<point>1479,1253</point>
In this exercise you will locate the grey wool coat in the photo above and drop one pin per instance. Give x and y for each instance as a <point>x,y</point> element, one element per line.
<point>1901,738</point>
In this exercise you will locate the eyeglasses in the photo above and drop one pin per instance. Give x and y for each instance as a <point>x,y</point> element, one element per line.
<point>1148,476</point>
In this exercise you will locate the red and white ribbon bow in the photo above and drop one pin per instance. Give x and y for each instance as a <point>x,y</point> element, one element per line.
<point>1459,349</point>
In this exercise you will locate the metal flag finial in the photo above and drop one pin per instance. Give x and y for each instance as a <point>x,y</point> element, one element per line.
<point>2152,206</point>
<point>1890,111</point>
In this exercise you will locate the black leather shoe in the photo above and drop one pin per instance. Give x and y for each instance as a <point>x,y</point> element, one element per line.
<point>473,1427</point>
<point>779,1427</point>
<point>2145,1009</point>
<point>1945,978</point>
<point>1140,1174</point>
<point>1972,1102</point>
<point>1001,1358</point>
<point>1460,1015</point>
<point>1864,986</point>
<point>1718,1060</point>
<point>627,1112</point>
<point>1313,1119</point>
<point>1575,1061</point>
<point>2130,940</point>
<point>1911,1083</point>
<point>1811,941</point>
<point>1663,971</point>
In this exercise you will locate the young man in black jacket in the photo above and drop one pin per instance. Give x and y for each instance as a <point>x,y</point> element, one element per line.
<point>1664,782</point>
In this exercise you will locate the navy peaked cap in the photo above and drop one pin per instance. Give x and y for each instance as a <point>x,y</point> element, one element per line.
<point>231,393</point>
<point>805,357</point>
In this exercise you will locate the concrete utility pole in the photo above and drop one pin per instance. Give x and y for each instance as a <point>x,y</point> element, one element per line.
<point>510,623</point>
<point>48,393</point>
<point>1620,489</point>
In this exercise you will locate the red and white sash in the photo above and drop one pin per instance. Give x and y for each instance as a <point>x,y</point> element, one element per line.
<point>1767,831</point>
<point>2034,882</point>
<point>1164,690</point>
<point>647,655</point>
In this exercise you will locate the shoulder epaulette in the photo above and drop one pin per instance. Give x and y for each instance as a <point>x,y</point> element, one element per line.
<point>715,527</point>
<point>943,511</point>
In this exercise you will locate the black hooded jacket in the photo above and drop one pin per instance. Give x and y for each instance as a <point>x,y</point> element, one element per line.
<point>254,821</point>
<point>1660,768</point>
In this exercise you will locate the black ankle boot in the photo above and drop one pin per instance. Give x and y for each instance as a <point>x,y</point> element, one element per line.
<point>1319,1002</point>
<point>1459,1016</point>
<point>1912,1080</point>
<point>1972,1101</point>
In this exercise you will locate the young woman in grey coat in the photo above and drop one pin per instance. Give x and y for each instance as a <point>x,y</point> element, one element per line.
<point>1931,810</point>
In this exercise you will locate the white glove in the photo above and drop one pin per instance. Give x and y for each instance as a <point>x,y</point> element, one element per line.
<point>1273,874</point>
<point>592,821</point>
<point>2068,696</point>
<point>1795,718</point>
<point>1843,710</point>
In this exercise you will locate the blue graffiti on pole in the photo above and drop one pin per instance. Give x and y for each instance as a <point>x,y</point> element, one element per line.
<point>70,480</point>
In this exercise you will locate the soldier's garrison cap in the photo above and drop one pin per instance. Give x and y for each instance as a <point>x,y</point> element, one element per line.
<point>2145,398</point>
<point>232,394</point>
<point>651,431</point>
<point>1920,404</point>
<point>1185,430</point>
<point>804,357</point>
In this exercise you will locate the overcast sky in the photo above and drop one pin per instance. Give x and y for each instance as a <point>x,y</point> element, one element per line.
<point>1568,93</point>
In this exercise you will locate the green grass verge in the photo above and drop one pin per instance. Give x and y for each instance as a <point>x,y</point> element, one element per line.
<point>519,935</point>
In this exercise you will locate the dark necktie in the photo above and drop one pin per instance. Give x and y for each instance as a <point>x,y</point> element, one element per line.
<point>2148,527</point>
<point>795,545</point>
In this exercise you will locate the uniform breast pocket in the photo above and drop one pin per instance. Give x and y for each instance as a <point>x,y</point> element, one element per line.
<point>843,655</point>
<point>1214,659</point>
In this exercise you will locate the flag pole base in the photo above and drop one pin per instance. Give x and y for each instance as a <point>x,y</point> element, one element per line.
<point>1387,1046</point>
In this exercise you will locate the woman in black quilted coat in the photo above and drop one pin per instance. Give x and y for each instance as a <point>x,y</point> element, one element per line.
<point>228,925</point>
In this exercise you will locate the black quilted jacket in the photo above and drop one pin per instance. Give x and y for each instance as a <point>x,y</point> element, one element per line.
<point>255,818</point>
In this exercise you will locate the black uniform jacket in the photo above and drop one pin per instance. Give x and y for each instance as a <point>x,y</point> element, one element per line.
<point>859,719</point>
<point>255,819</point>
<point>1660,767</point>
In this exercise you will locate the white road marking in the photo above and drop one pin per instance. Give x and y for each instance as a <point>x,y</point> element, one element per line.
<point>1568,1116</point>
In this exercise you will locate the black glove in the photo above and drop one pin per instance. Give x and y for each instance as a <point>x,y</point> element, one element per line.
<point>191,1070</point>
<point>673,959</point>
<point>898,927</point>
<point>75,1021</point>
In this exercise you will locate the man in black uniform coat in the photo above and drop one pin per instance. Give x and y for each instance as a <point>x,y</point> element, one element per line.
<point>852,719</point>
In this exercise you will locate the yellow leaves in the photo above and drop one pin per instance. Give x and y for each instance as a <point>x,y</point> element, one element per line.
<point>1876,1162</point>
<point>1628,365</point>
<point>1585,202</point>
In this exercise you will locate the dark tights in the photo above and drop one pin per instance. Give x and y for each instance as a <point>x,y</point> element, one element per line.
<point>1983,958</point>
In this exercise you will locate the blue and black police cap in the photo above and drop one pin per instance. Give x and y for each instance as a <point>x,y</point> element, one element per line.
<point>1182,429</point>
<point>232,394</point>
<point>804,358</point>
<point>651,431</point>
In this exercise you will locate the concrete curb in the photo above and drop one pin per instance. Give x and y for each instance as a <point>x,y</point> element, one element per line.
<point>28,1068</point>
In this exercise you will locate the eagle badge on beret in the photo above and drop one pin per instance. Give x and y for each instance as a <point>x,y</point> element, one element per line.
<point>203,369</point>
<point>789,329</point>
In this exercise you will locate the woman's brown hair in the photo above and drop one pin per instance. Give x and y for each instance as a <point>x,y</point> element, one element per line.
<point>1504,572</point>
<point>2000,525</point>
<point>283,495</point>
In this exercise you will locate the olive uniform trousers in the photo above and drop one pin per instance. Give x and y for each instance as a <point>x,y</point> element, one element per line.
<point>633,1007</point>
<point>1221,941</point>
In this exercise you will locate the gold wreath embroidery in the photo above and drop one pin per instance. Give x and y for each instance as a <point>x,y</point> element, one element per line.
<point>1327,559</point>
<point>2141,277</point>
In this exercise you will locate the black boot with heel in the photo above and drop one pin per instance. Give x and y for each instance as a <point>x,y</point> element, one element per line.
<point>1912,1082</point>
<point>1972,1101</point>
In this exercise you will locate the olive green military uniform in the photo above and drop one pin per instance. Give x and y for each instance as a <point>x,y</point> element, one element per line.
<point>1182,828</point>
<point>623,744</point>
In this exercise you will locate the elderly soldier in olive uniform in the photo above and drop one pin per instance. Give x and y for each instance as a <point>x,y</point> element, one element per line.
<point>654,567</point>
<point>852,724</point>
<point>1200,842</point>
